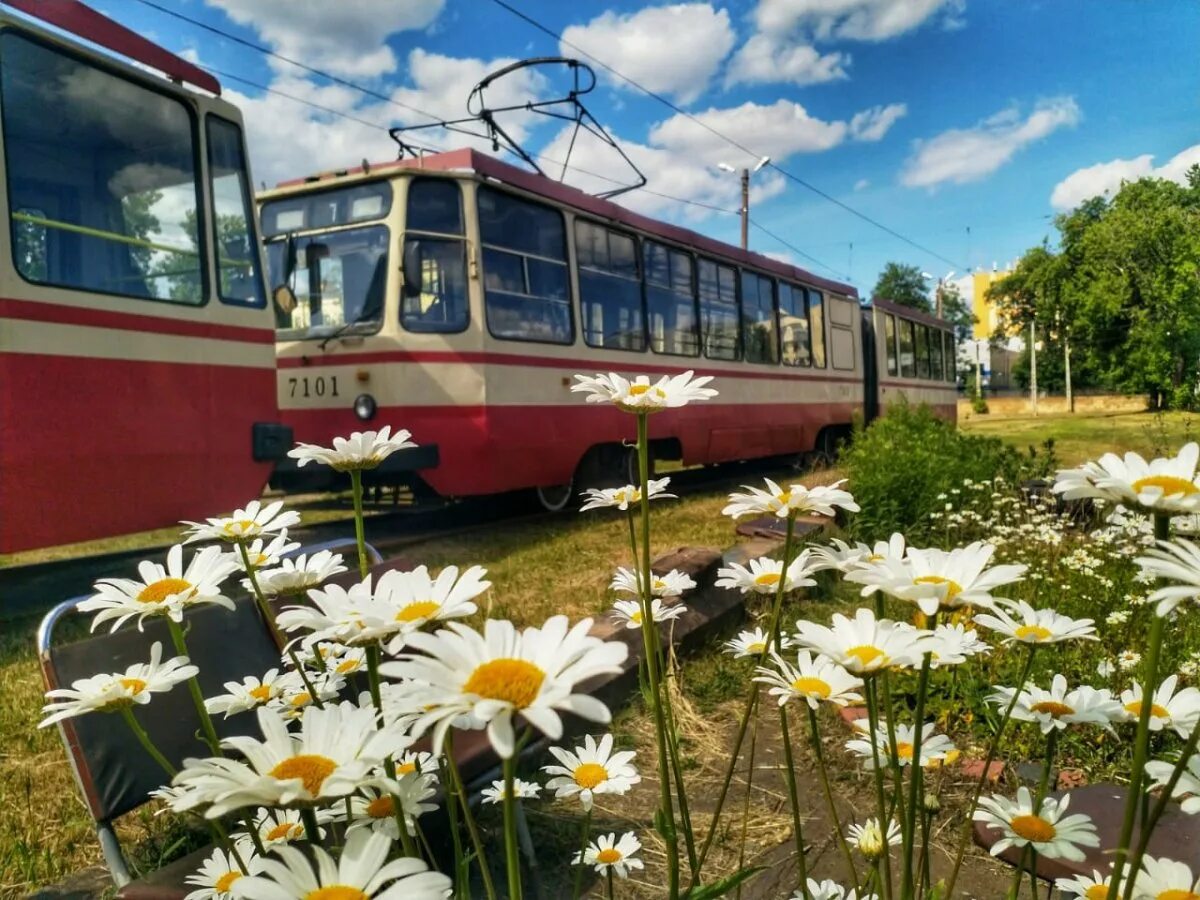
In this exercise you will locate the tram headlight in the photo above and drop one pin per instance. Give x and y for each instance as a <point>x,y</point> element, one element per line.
<point>364,407</point>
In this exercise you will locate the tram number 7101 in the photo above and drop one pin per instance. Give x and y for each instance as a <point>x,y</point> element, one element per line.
<point>320,386</point>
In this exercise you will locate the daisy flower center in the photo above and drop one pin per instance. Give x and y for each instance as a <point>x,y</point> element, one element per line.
<point>239,527</point>
<point>1032,828</point>
<point>636,390</point>
<point>1159,712</point>
<point>756,647</point>
<point>1177,894</point>
<point>381,808</point>
<point>336,892</point>
<point>904,750</point>
<point>659,584</point>
<point>636,617</point>
<point>160,590</point>
<point>406,768</point>
<point>302,699</point>
<point>225,882</point>
<point>1096,892</point>
<point>784,497</point>
<point>1052,708</point>
<point>875,557</point>
<point>418,609</point>
<point>768,579</point>
<point>514,681</point>
<point>590,774</point>
<point>348,665</point>
<point>608,856</point>
<point>866,654</point>
<point>134,685</point>
<point>280,832</point>
<point>310,768</point>
<point>262,693</point>
<point>1033,632</point>
<point>953,588</point>
<point>1169,485</point>
<point>812,687</point>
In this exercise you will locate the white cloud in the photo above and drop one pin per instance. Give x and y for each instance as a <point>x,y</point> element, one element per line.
<point>872,124</point>
<point>961,155</point>
<point>858,20</point>
<point>862,184</point>
<point>778,130</point>
<point>346,37</point>
<point>672,50</point>
<point>1104,179</point>
<point>783,256</point>
<point>764,59</point>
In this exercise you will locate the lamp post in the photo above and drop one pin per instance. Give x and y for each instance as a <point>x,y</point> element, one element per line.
<point>937,291</point>
<point>746,173</point>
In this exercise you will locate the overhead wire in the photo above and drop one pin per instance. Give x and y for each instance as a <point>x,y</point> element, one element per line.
<point>724,137</point>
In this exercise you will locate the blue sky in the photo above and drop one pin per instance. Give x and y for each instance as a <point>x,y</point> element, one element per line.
<point>962,124</point>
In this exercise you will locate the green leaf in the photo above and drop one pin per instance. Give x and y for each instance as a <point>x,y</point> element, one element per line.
<point>724,886</point>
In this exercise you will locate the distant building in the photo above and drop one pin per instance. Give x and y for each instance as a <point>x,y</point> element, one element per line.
<point>995,362</point>
<point>987,317</point>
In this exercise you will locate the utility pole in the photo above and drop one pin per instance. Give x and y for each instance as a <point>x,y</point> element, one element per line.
<point>745,209</point>
<point>1033,366</point>
<point>1067,372</point>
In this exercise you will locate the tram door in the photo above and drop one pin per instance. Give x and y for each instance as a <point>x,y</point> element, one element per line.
<point>870,367</point>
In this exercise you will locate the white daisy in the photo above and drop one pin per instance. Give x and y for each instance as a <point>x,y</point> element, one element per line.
<point>1128,659</point>
<point>361,873</point>
<point>362,450</point>
<point>162,591</point>
<point>294,695</point>
<point>349,616</point>
<point>607,853</point>
<point>672,584</point>
<point>1050,831</point>
<point>522,790</point>
<point>795,499</point>
<point>1166,879</point>
<point>934,747</point>
<point>1036,626</point>
<point>215,878</point>
<point>346,661</point>
<point>764,574</point>
<point>639,395</point>
<point>1188,788</point>
<point>503,673</point>
<point>830,890</point>
<point>811,679</point>
<point>868,840</point>
<point>1177,561</point>
<point>282,826</point>
<point>1085,887</point>
<point>839,555</point>
<point>623,498</point>
<point>1178,709</point>
<point>375,807</point>
<point>955,644</point>
<point>294,577</point>
<point>1059,707</point>
<point>337,748</point>
<point>1166,484</point>
<point>265,551</point>
<point>416,599</point>
<point>244,525</point>
<point>592,769</point>
<point>110,693</point>
<point>244,695</point>
<point>934,579</point>
<point>752,643</point>
<point>630,612</point>
<point>864,645</point>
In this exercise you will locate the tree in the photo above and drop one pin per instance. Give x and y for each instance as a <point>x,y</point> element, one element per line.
<point>956,311</point>
<point>904,285</point>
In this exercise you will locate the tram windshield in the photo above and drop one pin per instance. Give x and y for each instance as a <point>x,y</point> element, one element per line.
<point>104,182</point>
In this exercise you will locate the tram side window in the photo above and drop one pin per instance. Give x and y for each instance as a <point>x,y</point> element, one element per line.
<point>935,354</point>
<point>816,320</point>
<point>759,332</point>
<point>793,325</point>
<point>434,295</point>
<point>527,293</point>
<point>889,341</point>
<point>718,310</point>
<point>671,301</point>
<point>951,358</point>
<point>922,333</point>
<point>106,171</point>
<point>610,291</point>
<point>239,280</point>
<point>908,363</point>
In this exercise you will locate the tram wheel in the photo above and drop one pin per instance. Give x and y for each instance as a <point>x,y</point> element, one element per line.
<point>556,497</point>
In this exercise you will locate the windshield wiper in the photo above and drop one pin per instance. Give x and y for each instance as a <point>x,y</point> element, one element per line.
<point>342,329</point>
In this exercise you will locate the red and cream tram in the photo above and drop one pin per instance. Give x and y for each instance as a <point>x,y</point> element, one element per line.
<point>456,295</point>
<point>136,347</point>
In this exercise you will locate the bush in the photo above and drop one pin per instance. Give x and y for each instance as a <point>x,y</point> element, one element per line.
<point>904,466</point>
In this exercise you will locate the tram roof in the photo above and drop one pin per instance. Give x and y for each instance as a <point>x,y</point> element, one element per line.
<point>470,160</point>
<point>908,312</point>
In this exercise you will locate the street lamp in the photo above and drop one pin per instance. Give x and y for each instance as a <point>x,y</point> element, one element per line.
<point>746,173</point>
<point>937,294</point>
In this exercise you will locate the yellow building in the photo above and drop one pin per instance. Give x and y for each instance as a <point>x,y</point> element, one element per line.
<point>986,316</point>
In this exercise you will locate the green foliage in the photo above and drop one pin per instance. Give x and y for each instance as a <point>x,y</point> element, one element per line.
<point>903,464</point>
<point>904,285</point>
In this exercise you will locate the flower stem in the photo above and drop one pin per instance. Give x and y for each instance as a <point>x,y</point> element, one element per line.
<point>308,685</point>
<point>823,772</point>
<point>512,852</point>
<point>144,739</point>
<point>609,882</point>
<point>983,776</point>
<point>206,723</point>
<point>312,831</point>
<point>746,802</point>
<point>456,784</point>
<point>915,776</point>
<point>793,796</point>
<point>584,831</point>
<point>885,879</point>
<point>360,539</point>
<point>264,607</point>
<point>462,866</point>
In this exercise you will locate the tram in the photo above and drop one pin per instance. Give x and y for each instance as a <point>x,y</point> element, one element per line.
<point>456,295</point>
<point>137,348</point>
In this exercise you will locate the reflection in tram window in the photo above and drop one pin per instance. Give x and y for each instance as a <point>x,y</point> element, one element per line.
<point>434,297</point>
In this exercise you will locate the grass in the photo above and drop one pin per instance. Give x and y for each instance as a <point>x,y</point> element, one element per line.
<point>1081,436</point>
